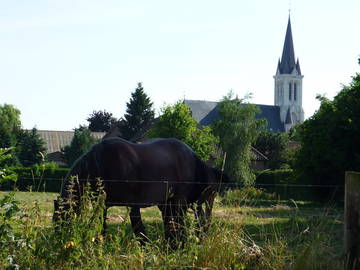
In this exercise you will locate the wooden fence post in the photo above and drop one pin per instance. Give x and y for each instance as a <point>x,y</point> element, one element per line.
<point>352,220</point>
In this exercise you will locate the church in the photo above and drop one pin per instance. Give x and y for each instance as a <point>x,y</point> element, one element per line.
<point>287,109</point>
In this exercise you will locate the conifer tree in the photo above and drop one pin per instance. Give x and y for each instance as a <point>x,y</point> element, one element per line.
<point>30,147</point>
<point>81,143</point>
<point>139,112</point>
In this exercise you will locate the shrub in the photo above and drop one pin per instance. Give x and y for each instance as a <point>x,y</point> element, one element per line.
<point>285,184</point>
<point>38,178</point>
<point>275,177</point>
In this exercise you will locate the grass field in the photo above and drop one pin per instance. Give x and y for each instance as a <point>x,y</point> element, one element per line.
<point>256,232</point>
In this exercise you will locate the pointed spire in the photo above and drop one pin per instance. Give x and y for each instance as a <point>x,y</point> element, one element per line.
<point>298,69</point>
<point>287,63</point>
<point>288,119</point>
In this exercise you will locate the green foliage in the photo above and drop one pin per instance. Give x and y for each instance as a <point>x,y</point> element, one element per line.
<point>176,122</point>
<point>9,125</point>
<point>273,146</point>
<point>294,132</point>
<point>101,121</point>
<point>275,177</point>
<point>81,143</point>
<point>9,207</point>
<point>286,185</point>
<point>237,130</point>
<point>139,113</point>
<point>6,174</point>
<point>238,197</point>
<point>42,177</point>
<point>331,139</point>
<point>30,147</point>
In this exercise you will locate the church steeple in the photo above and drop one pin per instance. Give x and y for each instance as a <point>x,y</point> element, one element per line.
<point>287,63</point>
<point>288,84</point>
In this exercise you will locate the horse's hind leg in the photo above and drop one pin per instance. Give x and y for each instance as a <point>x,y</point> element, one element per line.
<point>137,224</point>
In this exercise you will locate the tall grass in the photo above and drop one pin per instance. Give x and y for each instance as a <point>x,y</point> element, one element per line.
<point>233,242</point>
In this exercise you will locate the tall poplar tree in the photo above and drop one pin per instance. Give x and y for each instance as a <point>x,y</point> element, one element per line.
<point>238,129</point>
<point>139,113</point>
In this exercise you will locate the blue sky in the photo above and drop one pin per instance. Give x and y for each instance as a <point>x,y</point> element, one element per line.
<point>62,59</point>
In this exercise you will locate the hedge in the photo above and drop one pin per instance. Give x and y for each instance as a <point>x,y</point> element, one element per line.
<point>288,186</point>
<point>36,179</point>
<point>284,184</point>
<point>275,177</point>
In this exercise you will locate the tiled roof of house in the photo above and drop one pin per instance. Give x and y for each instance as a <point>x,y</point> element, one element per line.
<point>206,112</point>
<point>55,139</point>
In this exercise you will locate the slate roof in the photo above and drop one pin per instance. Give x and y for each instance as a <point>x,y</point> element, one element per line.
<point>287,63</point>
<point>206,112</point>
<point>55,140</point>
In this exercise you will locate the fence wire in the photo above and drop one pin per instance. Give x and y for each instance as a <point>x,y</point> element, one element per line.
<point>287,191</point>
<point>196,182</point>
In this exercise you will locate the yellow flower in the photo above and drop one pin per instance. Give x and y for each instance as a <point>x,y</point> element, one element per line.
<point>99,238</point>
<point>69,244</point>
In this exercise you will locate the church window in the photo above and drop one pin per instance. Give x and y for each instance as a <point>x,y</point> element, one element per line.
<point>290,92</point>
<point>295,91</point>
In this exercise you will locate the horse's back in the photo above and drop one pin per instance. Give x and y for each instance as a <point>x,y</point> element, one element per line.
<point>147,172</point>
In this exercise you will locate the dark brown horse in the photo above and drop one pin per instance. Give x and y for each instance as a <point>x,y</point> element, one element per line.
<point>162,172</point>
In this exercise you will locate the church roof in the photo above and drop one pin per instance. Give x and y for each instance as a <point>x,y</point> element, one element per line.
<point>287,63</point>
<point>206,112</point>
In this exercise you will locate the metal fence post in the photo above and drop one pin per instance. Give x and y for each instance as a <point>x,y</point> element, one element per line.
<point>352,220</point>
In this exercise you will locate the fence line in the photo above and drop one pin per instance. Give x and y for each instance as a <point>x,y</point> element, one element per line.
<point>181,182</point>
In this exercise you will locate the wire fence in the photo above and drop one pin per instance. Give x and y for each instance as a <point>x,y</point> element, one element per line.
<point>282,204</point>
<point>328,195</point>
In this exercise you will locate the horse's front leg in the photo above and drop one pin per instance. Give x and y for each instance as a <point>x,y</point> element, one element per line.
<point>200,218</point>
<point>104,224</point>
<point>174,223</point>
<point>137,224</point>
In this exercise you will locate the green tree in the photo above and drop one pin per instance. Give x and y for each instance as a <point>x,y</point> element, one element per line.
<point>10,125</point>
<point>30,147</point>
<point>101,121</point>
<point>331,138</point>
<point>238,129</point>
<point>139,113</point>
<point>176,122</point>
<point>273,146</point>
<point>81,143</point>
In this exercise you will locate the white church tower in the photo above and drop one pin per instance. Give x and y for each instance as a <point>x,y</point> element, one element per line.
<point>288,84</point>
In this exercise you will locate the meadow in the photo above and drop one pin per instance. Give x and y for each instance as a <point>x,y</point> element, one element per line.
<point>250,229</point>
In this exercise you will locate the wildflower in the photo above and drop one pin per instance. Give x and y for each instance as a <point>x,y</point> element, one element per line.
<point>99,238</point>
<point>69,244</point>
